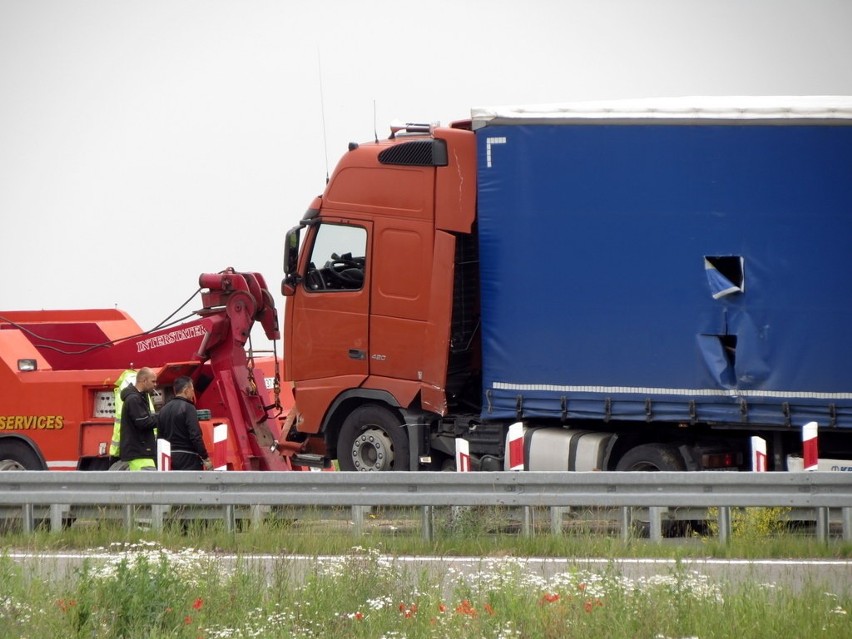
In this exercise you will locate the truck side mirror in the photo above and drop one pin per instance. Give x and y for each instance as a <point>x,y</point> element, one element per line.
<point>288,287</point>
<point>291,251</point>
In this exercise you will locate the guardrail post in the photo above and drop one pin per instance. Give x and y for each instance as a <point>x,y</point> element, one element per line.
<point>230,518</point>
<point>157,513</point>
<point>626,523</point>
<point>427,525</point>
<point>129,517</point>
<point>724,520</point>
<point>556,515</point>
<point>28,517</point>
<point>846,517</point>
<point>358,519</point>
<point>56,512</point>
<point>655,523</point>
<point>527,525</point>
<point>822,524</point>
<point>257,512</point>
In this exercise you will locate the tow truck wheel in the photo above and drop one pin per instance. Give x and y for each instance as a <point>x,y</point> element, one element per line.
<point>371,439</point>
<point>17,455</point>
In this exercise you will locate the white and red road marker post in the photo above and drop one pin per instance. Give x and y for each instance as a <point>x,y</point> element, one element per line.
<point>810,447</point>
<point>463,456</point>
<point>758,454</point>
<point>220,447</point>
<point>515,447</point>
<point>164,454</point>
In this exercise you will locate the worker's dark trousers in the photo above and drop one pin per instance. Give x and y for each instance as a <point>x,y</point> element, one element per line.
<point>185,461</point>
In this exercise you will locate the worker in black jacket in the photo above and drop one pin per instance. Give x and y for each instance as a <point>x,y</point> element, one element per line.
<point>179,425</point>
<point>139,423</point>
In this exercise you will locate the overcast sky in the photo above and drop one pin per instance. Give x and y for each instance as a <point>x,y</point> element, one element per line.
<point>144,142</point>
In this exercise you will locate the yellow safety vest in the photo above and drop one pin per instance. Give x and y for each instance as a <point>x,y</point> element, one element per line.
<point>124,380</point>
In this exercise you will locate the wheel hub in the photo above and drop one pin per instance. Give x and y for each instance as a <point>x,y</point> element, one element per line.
<point>372,450</point>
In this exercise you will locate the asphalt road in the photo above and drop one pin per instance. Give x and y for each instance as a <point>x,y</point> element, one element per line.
<point>831,575</point>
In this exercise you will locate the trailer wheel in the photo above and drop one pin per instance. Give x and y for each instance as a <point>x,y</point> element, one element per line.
<point>17,455</point>
<point>652,457</point>
<point>372,439</point>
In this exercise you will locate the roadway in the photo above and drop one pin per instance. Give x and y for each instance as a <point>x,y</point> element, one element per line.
<point>831,575</point>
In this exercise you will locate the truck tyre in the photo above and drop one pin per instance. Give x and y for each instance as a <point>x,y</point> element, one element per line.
<point>652,457</point>
<point>17,455</point>
<point>371,439</point>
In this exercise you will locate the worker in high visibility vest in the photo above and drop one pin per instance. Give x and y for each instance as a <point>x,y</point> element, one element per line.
<point>138,441</point>
<point>124,380</point>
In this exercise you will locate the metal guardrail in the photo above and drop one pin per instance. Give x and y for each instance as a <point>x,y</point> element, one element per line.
<point>657,491</point>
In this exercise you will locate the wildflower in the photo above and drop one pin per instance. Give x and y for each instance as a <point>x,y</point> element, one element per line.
<point>66,604</point>
<point>187,620</point>
<point>408,611</point>
<point>359,616</point>
<point>588,605</point>
<point>442,607</point>
<point>198,603</point>
<point>549,597</point>
<point>465,608</point>
<point>489,609</point>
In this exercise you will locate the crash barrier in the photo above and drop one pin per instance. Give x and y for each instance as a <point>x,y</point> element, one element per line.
<point>823,492</point>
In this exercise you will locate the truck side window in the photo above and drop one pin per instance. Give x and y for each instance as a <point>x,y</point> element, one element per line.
<point>337,259</point>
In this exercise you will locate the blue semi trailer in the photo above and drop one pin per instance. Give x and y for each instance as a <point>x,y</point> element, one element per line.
<point>673,263</point>
<point>641,284</point>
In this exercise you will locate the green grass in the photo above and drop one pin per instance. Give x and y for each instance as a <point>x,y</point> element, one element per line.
<point>757,533</point>
<point>172,583</point>
<point>145,591</point>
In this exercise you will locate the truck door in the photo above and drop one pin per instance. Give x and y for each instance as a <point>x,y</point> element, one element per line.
<point>331,326</point>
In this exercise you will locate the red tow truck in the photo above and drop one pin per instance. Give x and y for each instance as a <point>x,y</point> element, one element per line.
<point>58,370</point>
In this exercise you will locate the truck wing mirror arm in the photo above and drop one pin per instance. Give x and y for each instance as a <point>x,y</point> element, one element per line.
<point>289,283</point>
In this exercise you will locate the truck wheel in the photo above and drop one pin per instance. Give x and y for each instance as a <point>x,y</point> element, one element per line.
<point>17,455</point>
<point>652,457</point>
<point>656,457</point>
<point>372,438</point>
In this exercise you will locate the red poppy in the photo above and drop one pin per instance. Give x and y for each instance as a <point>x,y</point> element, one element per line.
<point>66,604</point>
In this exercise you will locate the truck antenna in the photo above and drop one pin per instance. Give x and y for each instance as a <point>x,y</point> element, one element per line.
<point>375,130</point>
<point>322,114</point>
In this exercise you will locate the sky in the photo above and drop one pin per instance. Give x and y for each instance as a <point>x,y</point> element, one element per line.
<point>144,142</point>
